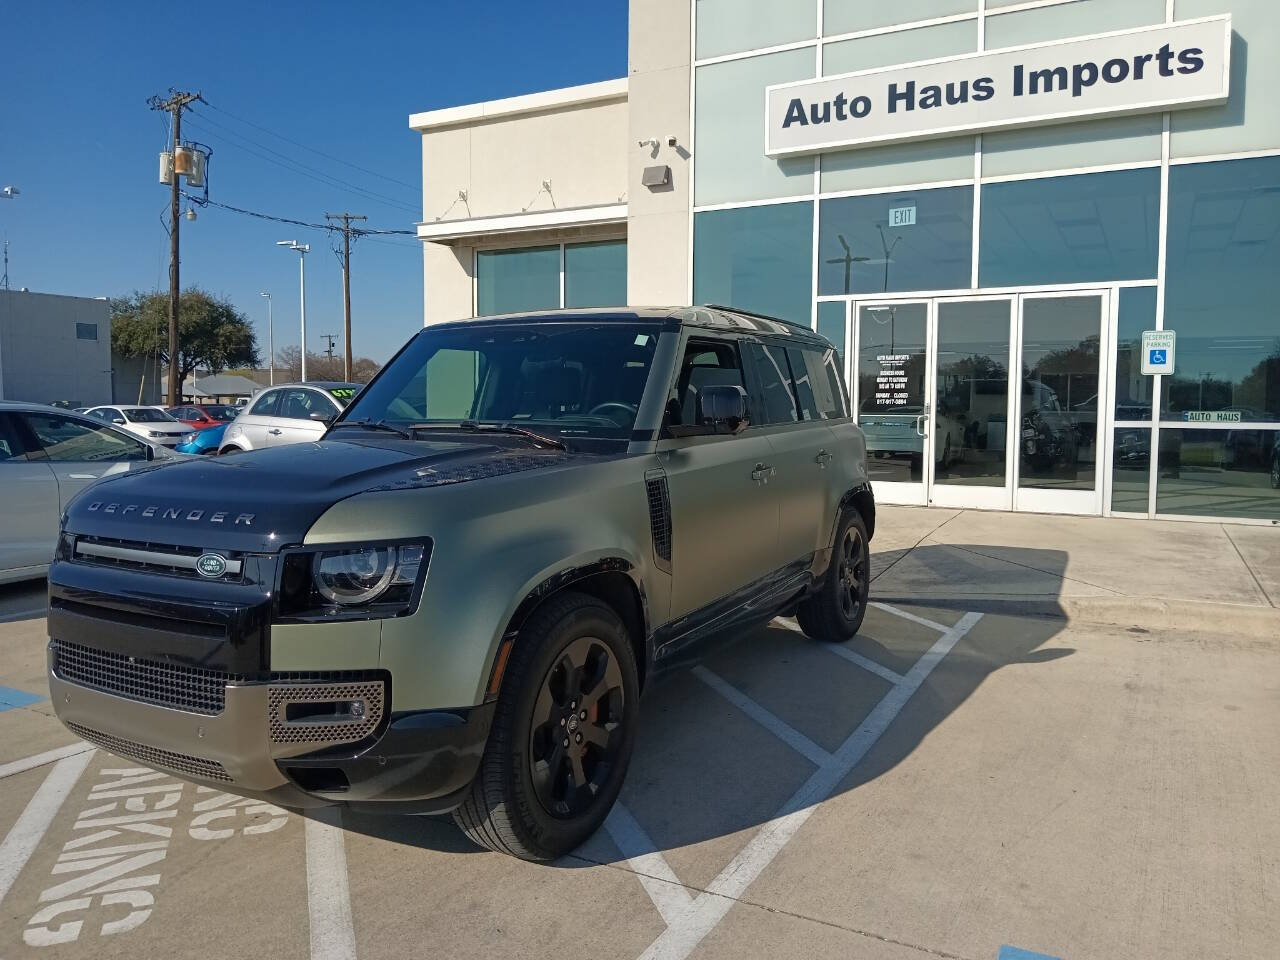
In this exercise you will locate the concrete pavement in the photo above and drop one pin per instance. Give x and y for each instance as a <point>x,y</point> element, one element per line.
<point>1153,574</point>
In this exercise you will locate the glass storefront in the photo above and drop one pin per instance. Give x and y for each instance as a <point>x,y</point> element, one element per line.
<point>989,293</point>
<point>530,278</point>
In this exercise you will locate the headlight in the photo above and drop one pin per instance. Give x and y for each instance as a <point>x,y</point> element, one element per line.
<point>372,581</point>
<point>189,438</point>
<point>156,434</point>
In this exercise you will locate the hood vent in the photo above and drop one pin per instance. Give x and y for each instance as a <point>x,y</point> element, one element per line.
<point>655,482</point>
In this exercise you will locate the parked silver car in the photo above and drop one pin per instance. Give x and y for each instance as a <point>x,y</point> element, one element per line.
<point>152,424</point>
<point>288,413</point>
<point>47,456</point>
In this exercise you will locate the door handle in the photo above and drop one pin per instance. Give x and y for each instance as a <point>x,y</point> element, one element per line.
<point>920,420</point>
<point>274,432</point>
<point>762,473</point>
<point>822,459</point>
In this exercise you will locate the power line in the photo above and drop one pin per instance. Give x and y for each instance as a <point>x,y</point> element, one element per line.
<point>263,152</point>
<point>329,227</point>
<point>328,156</point>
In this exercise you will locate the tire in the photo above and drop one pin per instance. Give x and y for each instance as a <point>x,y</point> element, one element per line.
<point>835,612</point>
<point>520,802</point>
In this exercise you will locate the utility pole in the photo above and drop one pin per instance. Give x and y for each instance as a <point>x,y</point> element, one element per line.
<point>329,338</point>
<point>8,193</point>
<point>346,219</point>
<point>177,102</point>
<point>271,344</point>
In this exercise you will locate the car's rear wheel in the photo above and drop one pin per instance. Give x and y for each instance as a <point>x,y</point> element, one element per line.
<point>835,612</point>
<point>562,733</point>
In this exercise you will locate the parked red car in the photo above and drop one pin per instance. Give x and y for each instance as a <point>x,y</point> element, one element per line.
<point>204,416</point>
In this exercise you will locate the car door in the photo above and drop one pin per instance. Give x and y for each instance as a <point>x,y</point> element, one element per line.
<point>724,521</point>
<point>80,453</point>
<point>802,448</point>
<point>254,424</point>
<point>31,508</point>
<point>294,422</point>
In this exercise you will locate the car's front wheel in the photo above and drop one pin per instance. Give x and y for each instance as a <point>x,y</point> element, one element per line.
<point>835,612</point>
<point>562,733</point>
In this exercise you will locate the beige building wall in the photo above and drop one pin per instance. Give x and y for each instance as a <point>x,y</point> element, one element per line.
<point>483,172</point>
<point>658,218</point>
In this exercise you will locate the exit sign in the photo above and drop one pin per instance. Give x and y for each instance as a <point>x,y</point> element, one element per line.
<point>902,216</point>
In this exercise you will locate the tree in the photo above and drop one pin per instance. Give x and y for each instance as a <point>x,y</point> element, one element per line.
<point>212,333</point>
<point>321,366</point>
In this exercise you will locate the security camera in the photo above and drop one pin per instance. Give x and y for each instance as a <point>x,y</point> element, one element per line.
<point>672,140</point>
<point>650,142</point>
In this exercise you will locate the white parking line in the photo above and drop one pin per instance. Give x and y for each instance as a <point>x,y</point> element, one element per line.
<point>905,615</point>
<point>788,734</point>
<point>333,935</point>
<point>704,913</point>
<point>40,759</point>
<point>666,891</point>
<point>866,663</point>
<point>33,822</point>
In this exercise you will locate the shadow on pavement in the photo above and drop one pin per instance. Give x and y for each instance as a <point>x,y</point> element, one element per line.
<point>703,769</point>
<point>25,600</point>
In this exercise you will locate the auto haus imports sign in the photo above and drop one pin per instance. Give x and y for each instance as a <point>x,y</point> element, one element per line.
<point>1164,67</point>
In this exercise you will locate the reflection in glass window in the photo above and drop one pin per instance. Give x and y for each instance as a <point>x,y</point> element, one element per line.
<point>1137,312</point>
<point>756,258</point>
<point>1219,473</point>
<point>775,403</point>
<point>595,274</point>
<point>1078,229</point>
<point>1131,470</point>
<point>65,440</point>
<point>723,28</point>
<point>971,419</point>
<point>1222,288</point>
<point>508,281</point>
<point>831,325</point>
<point>891,377</point>
<point>918,240</point>
<point>1060,352</point>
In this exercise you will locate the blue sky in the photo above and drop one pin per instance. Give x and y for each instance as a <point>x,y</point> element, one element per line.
<point>77,138</point>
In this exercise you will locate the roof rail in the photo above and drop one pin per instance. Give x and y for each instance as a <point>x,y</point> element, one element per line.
<point>745,313</point>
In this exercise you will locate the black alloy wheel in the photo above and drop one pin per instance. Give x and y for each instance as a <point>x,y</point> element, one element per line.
<point>577,728</point>
<point>835,612</point>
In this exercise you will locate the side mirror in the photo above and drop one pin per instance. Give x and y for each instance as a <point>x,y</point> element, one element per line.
<point>119,421</point>
<point>151,452</point>
<point>324,416</point>
<point>723,407</point>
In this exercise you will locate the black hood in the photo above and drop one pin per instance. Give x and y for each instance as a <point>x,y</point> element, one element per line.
<point>261,501</point>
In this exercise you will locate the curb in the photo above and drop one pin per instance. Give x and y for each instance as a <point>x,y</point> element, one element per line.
<point>1149,613</point>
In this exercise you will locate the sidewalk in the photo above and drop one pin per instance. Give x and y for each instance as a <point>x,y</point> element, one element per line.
<point>1152,574</point>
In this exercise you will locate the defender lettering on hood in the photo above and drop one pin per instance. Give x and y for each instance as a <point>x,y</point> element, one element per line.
<point>170,513</point>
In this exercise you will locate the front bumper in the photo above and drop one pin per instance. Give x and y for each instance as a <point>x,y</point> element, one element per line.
<point>184,686</point>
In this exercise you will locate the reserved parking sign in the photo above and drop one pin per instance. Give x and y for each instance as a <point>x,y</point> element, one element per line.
<point>1157,351</point>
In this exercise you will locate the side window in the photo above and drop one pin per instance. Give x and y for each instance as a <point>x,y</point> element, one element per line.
<point>809,409</point>
<point>65,440</point>
<point>11,444</point>
<point>836,382</point>
<point>267,404</point>
<point>706,363</point>
<point>297,404</point>
<point>775,402</point>
<point>827,396</point>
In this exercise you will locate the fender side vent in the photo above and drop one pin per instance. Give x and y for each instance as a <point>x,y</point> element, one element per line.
<point>655,484</point>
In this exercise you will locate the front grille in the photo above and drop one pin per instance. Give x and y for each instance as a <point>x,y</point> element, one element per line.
<point>158,558</point>
<point>369,694</point>
<point>154,756</point>
<point>178,687</point>
<point>659,515</point>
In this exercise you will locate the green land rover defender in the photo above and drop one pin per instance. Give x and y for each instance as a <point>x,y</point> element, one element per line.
<point>453,601</point>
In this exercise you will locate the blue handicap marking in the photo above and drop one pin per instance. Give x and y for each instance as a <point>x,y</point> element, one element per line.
<point>11,698</point>
<point>1016,953</point>
<point>1158,356</point>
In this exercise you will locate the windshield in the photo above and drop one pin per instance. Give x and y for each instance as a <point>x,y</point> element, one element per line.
<point>147,415</point>
<point>563,379</point>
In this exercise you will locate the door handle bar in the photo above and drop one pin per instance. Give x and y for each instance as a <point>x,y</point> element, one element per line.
<point>762,473</point>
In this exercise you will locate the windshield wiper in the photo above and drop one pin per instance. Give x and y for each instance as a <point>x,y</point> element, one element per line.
<point>373,425</point>
<point>475,426</point>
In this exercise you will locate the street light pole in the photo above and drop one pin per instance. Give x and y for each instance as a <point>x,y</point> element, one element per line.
<point>271,344</point>
<point>303,249</point>
<point>8,193</point>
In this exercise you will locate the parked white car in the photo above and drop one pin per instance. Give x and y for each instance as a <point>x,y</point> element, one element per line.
<point>289,413</point>
<point>150,423</point>
<point>47,456</point>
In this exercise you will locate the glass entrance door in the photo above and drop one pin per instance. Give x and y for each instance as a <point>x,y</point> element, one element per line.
<point>1061,376</point>
<point>893,374</point>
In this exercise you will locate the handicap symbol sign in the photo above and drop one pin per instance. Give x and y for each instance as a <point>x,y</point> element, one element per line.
<point>1158,357</point>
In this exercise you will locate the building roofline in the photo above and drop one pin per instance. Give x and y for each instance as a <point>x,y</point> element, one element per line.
<point>514,106</point>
